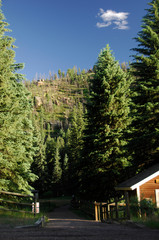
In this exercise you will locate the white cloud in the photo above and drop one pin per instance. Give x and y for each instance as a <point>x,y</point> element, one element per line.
<point>109,17</point>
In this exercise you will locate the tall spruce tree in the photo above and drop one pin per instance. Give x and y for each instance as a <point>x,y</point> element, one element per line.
<point>53,170</point>
<point>39,166</point>
<point>16,130</point>
<point>107,119</point>
<point>74,146</point>
<point>144,145</point>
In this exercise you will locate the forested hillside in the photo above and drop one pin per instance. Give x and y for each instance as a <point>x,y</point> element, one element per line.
<point>59,104</point>
<point>80,132</point>
<point>57,96</point>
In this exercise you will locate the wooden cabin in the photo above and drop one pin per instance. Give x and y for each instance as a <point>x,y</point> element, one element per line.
<point>144,185</point>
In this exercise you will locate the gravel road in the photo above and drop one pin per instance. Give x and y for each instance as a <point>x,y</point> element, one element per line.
<point>63,224</point>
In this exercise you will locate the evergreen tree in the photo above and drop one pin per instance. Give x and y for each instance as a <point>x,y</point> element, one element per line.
<point>39,166</point>
<point>16,129</point>
<point>144,144</point>
<point>75,138</point>
<point>107,119</point>
<point>63,74</point>
<point>59,73</point>
<point>50,159</point>
<point>55,76</point>
<point>53,170</point>
<point>75,144</point>
<point>57,172</point>
<point>65,163</point>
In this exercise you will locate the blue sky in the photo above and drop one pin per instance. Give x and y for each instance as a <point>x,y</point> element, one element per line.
<point>60,34</point>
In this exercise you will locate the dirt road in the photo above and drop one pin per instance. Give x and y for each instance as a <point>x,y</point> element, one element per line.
<point>63,224</point>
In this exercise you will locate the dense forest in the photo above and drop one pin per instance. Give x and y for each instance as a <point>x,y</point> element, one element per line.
<point>82,131</point>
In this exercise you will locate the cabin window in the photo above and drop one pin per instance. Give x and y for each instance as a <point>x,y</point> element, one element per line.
<point>157,181</point>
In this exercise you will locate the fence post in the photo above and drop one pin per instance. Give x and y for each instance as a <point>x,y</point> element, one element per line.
<point>99,211</point>
<point>107,211</point>
<point>96,211</point>
<point>116,207</point>
<point>104,214</point>
<point>127,204</point>
<point>35,192</point>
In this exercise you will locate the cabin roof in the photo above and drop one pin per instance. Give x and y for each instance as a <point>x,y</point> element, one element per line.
<point>139,179</point>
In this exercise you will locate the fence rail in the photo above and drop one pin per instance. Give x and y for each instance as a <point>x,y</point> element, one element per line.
<point>18,203</point>
<point>16,194</point>
<point>104,211</point>
<point>14,204</point>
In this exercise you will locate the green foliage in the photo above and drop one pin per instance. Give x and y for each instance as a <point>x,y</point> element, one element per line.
<point>13,219</point>
<point>134,207</point>
<point>75,145</point>
<point>72,74</point>
<point>152,222</point>
<point>68,148</point>
<point>16,129</point>
<point>56,104</point>
<point>147,207</point>
<point>145,127</point>
<point>39,164</point>
<point>142,209</point>
<point>107,120</point>
<point>57,98</point>
<point>59,73</point>
<point>57,172</point>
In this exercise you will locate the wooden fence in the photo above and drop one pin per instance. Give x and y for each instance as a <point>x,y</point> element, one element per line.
<point>8,199</point>
<point>99,211</point>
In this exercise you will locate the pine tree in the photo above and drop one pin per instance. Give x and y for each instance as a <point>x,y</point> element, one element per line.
<point>50,159</point>
<point>59,73</point>
<point>53,170</point>
<point>107,119</point>
<point>65,163</point>
<point>16,129</point>
<point>144,144</point>
<point>39,166</point>
<point>57,172</point>
<point>75,144</point>
<point>76,133</point>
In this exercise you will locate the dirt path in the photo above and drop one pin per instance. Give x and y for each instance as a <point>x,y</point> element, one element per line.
<point>63,224</point>
<point>67,225</point>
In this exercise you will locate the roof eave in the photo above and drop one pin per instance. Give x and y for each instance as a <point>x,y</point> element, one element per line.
<point>123,188</point>
<point>135,186</point>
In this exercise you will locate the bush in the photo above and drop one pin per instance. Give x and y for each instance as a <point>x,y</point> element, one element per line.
<point>134,207</point>
<point>144,208</point>
<point>147,208</point>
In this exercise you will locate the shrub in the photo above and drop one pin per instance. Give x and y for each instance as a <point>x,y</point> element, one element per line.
<point>144,208</point>
<point>134,207</point>
<point>147,207</point>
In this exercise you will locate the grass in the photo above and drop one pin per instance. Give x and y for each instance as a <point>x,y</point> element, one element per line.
<point>81,214</point>
<point>10,218</point>
<point>150,222</point>
<point>144,212</point>
<point>13,219</point>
